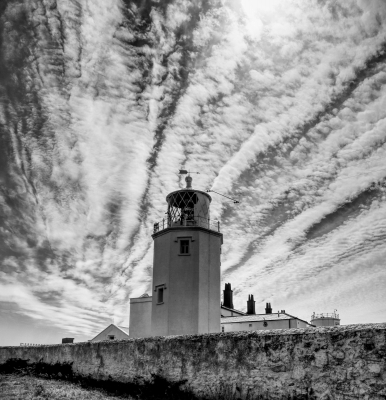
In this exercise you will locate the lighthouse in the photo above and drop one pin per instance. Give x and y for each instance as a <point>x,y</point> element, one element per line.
<point>186,266</point>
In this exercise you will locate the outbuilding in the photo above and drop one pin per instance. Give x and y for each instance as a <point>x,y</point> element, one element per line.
<point>280,320</point>
<point>112,332</point>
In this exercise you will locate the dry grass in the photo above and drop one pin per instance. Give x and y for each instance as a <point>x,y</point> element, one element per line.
<point>17,387</point>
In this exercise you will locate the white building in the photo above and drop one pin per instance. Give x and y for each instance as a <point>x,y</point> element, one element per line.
<point>112,332</point>
<point>140,316</point>
<point>233,320</point>
<point>186,271</point>
<point>186,279</point>
<point>255,322</point>
<point>325,319</point>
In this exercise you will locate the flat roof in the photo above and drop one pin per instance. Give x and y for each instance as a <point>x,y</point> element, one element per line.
<point>140,299</point>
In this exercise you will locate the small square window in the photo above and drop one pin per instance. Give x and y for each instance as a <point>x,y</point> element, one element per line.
<point>111,337</point>
<point>160,295</point>
<point>184,246</point>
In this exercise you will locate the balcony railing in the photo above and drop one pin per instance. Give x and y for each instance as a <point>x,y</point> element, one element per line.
<point>195,222</point>
<point>325,315</point>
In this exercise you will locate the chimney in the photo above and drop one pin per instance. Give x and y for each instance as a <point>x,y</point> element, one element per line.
<point>268,308</point>
<point>251,305</point>
<point>228,296</point>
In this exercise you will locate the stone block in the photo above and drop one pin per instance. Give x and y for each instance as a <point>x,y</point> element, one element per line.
<point>374,369</point>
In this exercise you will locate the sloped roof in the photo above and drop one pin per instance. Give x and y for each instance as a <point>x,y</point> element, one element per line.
<point>122,329</point>
<point>258,317</point>
<point>232,309</point>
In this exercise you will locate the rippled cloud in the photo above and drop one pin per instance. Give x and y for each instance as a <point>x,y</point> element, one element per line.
<point>282,107</point>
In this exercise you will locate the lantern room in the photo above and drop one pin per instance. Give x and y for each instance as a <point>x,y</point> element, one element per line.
<point>187,207</point>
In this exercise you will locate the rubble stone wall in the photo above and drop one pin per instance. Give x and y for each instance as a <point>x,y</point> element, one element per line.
<point>343,362</point>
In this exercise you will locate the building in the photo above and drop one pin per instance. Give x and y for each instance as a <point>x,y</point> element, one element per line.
<point>140,316</point>
<point>269,320</point>
<point>112,332</point>
<point>229,312</point>
<point>186,278</point>
<point>325,319</point>
<point>186,270</point>
<point>67,340</point>
<point>227,309</point>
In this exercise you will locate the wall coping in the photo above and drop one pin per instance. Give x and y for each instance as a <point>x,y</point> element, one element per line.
<point>223,335</point>
<point>141,299</point>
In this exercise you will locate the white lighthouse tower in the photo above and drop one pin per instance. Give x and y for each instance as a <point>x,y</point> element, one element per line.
<point>186,267</point>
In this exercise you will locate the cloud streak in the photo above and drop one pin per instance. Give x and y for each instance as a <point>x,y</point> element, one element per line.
<point>284,108</point>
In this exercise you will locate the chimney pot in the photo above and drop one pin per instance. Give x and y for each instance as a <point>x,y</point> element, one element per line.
<point>228,296</point>
<point>251,305</point>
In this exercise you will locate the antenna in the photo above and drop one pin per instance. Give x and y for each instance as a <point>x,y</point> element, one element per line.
<point>223,195</point>
<point>184,171</point>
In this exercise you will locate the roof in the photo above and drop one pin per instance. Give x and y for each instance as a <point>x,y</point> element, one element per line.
<point>233,310</point>
<point>123,329</point>
<point>255,318</point>
<point>260,317</point>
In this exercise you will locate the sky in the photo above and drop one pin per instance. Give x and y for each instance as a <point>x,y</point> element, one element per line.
<point>281,105</point>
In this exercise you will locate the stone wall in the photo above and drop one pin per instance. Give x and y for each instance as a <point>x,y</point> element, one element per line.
<point>343,362</point>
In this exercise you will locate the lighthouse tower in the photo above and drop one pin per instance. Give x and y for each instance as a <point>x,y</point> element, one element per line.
<point>186,267</point>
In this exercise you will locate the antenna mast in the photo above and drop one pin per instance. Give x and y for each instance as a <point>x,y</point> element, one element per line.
<point>223,195</point>
<point>184,171</point>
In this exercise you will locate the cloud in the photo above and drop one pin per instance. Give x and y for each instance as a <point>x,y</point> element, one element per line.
<point>281,107</point>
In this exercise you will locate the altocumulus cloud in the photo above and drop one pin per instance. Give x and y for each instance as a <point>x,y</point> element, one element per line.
<point>283,107</point>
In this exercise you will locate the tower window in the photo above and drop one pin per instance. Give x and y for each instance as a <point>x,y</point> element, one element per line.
<point>159,289</point>
<point>160,295</point>
<point>184,246</point>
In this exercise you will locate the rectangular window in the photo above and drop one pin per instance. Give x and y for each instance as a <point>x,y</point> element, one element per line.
<point>250,325</point>
<point>160,295</point>
<point>111,337</point>
<point>184,246</point>
<point>222,329</point>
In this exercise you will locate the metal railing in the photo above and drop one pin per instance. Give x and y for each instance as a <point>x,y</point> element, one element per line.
<point>325,315</point>
<point>195,222</point>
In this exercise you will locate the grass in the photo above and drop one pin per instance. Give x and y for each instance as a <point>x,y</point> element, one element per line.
<point>18,387</point>
<point>39,381</point>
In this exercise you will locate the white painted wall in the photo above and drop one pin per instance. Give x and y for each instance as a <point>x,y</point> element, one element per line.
<point>140,317</point>
<point>325,321</point>
<point>259,325</point>
<point>192,294</point>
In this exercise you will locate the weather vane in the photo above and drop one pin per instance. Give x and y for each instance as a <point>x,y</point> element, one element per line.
<point>184,172</point>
